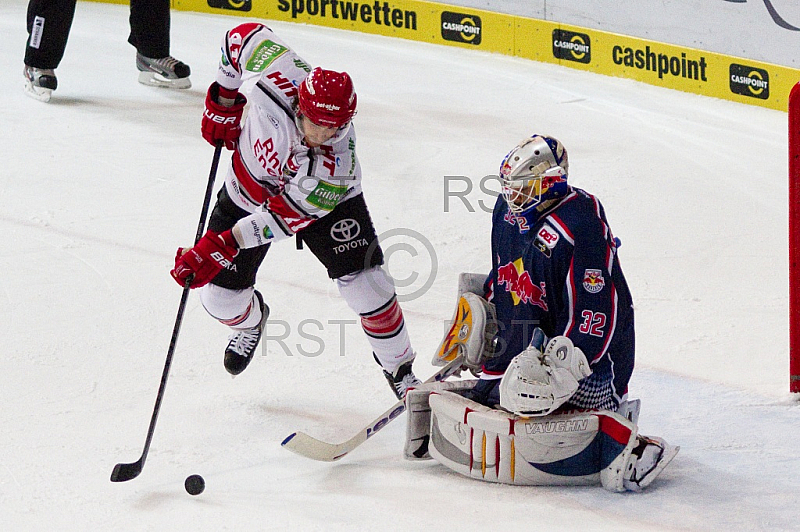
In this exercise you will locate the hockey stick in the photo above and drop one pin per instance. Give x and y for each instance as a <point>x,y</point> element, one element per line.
<point>310,447</point>
<point>123,472</point>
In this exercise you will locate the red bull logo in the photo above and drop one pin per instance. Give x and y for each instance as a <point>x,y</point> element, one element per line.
<point>593,281</point>
<point>549,181</point>
<point>521,285</point>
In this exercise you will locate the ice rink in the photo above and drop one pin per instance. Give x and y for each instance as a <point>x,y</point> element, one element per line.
<point>99,186</point>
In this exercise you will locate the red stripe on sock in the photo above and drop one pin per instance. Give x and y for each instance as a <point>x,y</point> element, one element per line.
<point>386,322</point>
<point>233,322</point>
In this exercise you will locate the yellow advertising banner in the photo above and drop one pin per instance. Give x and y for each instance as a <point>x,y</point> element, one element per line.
<point>663,65</point>
<point>407,19</point>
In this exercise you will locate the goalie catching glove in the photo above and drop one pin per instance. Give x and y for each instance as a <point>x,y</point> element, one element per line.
<point>538,381</point>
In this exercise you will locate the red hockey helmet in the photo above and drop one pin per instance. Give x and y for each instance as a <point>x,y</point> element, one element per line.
<point>327,98</point>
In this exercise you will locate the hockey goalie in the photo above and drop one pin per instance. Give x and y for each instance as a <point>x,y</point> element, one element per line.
<point>550,334</point>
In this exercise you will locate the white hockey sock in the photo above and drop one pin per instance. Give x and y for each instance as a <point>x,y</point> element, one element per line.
<point>370,293</point>
<point>387,334</point>
<point>238,309</point>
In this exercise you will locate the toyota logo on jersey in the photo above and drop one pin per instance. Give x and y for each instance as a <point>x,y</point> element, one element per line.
<point>345,230</point>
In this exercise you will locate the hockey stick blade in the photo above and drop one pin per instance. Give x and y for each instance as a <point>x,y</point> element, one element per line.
<point>310,447</point>
<point>125,472</point>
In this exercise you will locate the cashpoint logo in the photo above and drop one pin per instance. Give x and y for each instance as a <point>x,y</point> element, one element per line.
<point>461,28</point>
<point>242,5</point>
<point>572,46</point>
<point>749,81</point>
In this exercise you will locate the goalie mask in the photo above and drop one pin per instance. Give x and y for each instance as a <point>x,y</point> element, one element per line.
<point>534,172</point>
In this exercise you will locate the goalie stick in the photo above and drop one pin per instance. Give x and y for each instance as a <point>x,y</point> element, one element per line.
<point>310,447</point>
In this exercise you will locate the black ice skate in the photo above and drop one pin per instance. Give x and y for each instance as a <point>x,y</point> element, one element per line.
<point>242,344</point>
<point>164,72</point>
<point>403,379</point>
<point>39,82</point>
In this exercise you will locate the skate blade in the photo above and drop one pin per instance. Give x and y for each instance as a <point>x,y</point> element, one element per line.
<point>152,79</point>
<point>669,453</point>
<point>38,93</point>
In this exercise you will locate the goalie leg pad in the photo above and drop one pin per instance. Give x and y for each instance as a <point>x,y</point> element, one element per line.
<point>496,446</point>
<point>473,328</point>
<point>418,426</point>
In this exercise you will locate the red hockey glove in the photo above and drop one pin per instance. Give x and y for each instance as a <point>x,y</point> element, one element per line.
<point>221,117</point>
<point>204,261</point>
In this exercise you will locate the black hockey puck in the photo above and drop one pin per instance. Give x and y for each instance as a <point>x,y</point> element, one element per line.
<point>194,484</point>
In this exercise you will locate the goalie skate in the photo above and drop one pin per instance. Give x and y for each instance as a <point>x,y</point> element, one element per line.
<point>165,72</point>
<point>648,459</point>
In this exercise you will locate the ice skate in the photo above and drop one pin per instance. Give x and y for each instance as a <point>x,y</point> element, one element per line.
<point>165,72</point>
<point>242,344</point>
<point>403,379</point>
<point>647,460</point>
<point>39,82</point>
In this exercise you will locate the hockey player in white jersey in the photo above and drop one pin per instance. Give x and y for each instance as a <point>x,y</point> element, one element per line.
<point>294,172</point>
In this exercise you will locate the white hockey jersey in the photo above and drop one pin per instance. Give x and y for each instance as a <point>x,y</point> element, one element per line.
<point>274,175</point>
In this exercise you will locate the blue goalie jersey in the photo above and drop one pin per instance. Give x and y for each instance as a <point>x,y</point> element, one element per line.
<point>559,270</point>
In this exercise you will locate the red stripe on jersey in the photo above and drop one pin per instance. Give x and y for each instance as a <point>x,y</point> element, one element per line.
<point>618,432</point>
<point>613,320</point>
<point>570,297</point>
<point>279,206</point>
<point>562,227</point>
<point>253,188</point>
<point>236,39</point>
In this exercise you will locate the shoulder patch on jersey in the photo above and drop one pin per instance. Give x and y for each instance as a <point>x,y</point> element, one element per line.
<point>263,56</point>
<point>593,280</point>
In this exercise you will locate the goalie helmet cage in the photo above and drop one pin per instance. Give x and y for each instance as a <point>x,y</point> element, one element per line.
<point>794,239</point>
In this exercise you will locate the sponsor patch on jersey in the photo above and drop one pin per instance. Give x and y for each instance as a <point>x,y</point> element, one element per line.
<point>327,195</point>
<point>593,280</point>
<point>266,53</point>
<point>518,282</point>
<point>546,240</point>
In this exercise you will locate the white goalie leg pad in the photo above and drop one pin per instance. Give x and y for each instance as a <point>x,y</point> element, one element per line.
<point>496,446</point>
<point>418,426</point>
<point>471,332</point>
